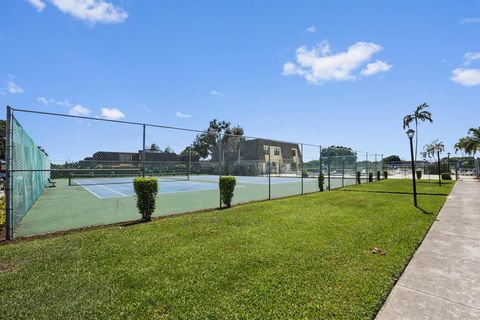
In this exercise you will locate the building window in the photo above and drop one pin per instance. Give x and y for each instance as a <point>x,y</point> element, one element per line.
<point>294,152</point>
<point>125,157</point>
<point>265,150</point>
<point>276,151</point>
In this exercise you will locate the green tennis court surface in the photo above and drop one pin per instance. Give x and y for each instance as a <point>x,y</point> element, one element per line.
<point>100,202</point>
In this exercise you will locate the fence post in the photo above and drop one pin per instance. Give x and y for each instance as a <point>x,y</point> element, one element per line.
<point>189,167</point>
<point>343,172</point>
<point>328,168</point>
<point>366,166</point>
<point>320,162</point>
<point>8,179</point>
<point>269,172</point>
<point>143,152</point>
<point>302,166</point>
<point>219,165</point>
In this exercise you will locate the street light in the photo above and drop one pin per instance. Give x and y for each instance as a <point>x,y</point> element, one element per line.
<point>411,133</point>
<point>448,162</point>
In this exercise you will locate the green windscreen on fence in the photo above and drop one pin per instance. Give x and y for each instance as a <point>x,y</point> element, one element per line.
<point>30,172</point>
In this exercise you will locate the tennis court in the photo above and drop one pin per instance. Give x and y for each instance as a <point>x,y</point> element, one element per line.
<point>49,191</point>
<point>96,201</point>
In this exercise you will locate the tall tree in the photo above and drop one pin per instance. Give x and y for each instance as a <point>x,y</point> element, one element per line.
<point>206,143</point>
<point>469,144</point>
<point>420,114</point>
<point>434,149</point>
<point>155,147</point>
<point>392,158</point>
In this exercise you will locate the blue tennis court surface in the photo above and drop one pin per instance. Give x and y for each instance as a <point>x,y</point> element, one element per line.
<point>105,188</point>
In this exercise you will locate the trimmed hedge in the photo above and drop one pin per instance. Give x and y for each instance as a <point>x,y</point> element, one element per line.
<point>378,175</point>
<point>227,187</point>
<point>359,175</point>
<point>146,190</point>
<point>385,174</point>
<point>419,174</point>
<point>2,211</point>
<point>370,177</point>
<point>446,176</point>
<point>321,181</point>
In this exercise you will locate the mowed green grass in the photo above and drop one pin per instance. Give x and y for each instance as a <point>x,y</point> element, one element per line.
<point>300,257</point>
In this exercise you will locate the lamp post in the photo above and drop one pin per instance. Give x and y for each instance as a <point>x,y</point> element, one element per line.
<point>411,134</point>
<point>448,162</point>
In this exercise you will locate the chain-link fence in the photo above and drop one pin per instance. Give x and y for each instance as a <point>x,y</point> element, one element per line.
<point>68,172</point>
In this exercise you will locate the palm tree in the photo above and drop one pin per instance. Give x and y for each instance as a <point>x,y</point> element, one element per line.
<point>432,149</point>
<point>420,114</point>
<point>462,145</point>
<point>473,145</point>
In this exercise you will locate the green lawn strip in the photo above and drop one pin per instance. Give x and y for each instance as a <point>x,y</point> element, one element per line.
<point>300,257</point>
<point>405,186</point>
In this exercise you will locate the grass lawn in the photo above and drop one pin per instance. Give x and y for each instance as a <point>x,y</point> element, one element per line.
<point>301,257</point>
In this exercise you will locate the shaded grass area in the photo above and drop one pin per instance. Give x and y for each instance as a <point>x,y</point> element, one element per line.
<point>299,257</point>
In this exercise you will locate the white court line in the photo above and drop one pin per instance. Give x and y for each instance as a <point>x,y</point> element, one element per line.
<point>101,186</point>
<point>122,194</point>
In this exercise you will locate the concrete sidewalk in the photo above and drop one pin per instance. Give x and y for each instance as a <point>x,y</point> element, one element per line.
<point>442,281</point>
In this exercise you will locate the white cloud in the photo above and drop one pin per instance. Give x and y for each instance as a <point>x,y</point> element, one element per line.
<point>38,4</point>
<point>376,67</point>
<point>470,57</point>
<point>92,11</point>
<point>112,114</point>
<point>318,65</point>
<point>182,115</point>
<point>14,88</point>
<point>311,29</point>
<point>64,103</point>
<point>217,93</point>
<point>45,101</point>
<point>470,20</point>
<point>78,110</point>
<point>466,77</point>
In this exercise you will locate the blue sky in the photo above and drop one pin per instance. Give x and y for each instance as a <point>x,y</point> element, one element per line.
<point>321,72</point>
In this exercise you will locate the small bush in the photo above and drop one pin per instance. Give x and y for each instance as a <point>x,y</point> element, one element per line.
<point>227,187</point>
<point>419,174</point>
<point>305,173</point>
<point>446,176</point>
<point>370,177</point>
<point>146,190</point>
<point>359,175</point>
<point>378,175</point>
<point>385,174</point>
<point>2,211</point>
<point>321,181</point>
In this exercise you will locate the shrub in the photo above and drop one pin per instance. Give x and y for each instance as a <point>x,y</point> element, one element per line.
<point>305,173</point>
<point>385,174</point>
<point>359,175</point>
<point>378,175</point>
<point>419,174</point>
<point>321,181</point>
<point>146,190</point>
<point>227,187</point>
<point>370,177</point>
<point>446,176</point>
<point>2,211</point>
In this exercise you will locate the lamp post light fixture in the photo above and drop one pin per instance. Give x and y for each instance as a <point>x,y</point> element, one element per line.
<point>411,133</point>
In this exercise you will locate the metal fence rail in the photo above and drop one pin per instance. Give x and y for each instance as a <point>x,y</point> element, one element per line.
<point>66,172</point>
